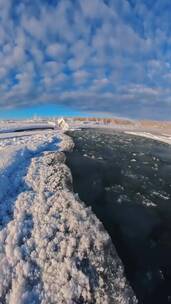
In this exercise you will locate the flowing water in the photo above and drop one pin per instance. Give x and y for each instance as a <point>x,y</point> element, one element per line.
<point>127,181</point>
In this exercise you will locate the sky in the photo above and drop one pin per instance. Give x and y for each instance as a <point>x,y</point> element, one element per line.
<point>75,57</point>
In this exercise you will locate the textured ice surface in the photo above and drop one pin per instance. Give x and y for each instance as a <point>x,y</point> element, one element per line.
<point>53,249</point>
<point>15,156</point>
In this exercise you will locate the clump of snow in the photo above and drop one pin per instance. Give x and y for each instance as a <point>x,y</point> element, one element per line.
<point>54,249</point>
<point>66,143</point>
<point>63,124</point>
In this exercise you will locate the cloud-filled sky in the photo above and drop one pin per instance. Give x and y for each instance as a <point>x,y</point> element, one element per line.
<point>109,56</point>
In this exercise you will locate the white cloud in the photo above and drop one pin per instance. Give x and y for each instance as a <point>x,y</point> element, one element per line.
<point>83,47</point>
<point>2,72</point>
<point>52,68</point>
<point>95,9</point>
<point>56,50</point>
<point>34,27</point>
<point>81,76</point>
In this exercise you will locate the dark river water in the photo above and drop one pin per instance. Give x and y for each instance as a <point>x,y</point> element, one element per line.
<point>127,181</point>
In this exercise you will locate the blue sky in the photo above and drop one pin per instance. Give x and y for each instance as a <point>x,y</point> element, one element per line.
<point>75,57</point>
<point>45,111</point>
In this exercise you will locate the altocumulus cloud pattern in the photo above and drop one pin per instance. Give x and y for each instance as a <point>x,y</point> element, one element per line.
<point>94,55</point>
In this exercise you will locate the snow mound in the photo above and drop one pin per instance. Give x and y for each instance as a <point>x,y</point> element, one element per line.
<point>15,157</point>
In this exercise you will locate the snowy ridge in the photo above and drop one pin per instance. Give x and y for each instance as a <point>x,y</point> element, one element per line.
<point>54,249</point>
<point>19,126</point>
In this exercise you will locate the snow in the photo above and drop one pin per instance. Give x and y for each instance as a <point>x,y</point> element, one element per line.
<point>166,138</point>
<point>14,126</point>
<point>13,134</point>
<point>53,249</point>
<point>15,156</point>
<point>63,124</point>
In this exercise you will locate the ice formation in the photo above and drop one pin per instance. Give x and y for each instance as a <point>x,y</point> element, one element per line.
<point>53,249</point>
<point>162,137</point>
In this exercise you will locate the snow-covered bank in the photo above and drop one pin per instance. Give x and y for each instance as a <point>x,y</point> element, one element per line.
<point>16,126</point>
<point>163,137</point>
<point>15,156</point>
<point>53,249</point>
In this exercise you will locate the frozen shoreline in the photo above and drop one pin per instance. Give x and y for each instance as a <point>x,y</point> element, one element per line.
<point>54,249</point>
<point>165,138</point>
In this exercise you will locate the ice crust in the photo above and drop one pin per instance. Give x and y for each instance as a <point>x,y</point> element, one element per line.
<point>53,249</point>
<point>162,137</point>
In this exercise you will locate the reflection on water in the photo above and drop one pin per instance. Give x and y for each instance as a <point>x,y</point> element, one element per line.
<point>127,181</point>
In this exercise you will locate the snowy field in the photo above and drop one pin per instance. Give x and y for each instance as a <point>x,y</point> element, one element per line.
<point>53,249</point>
